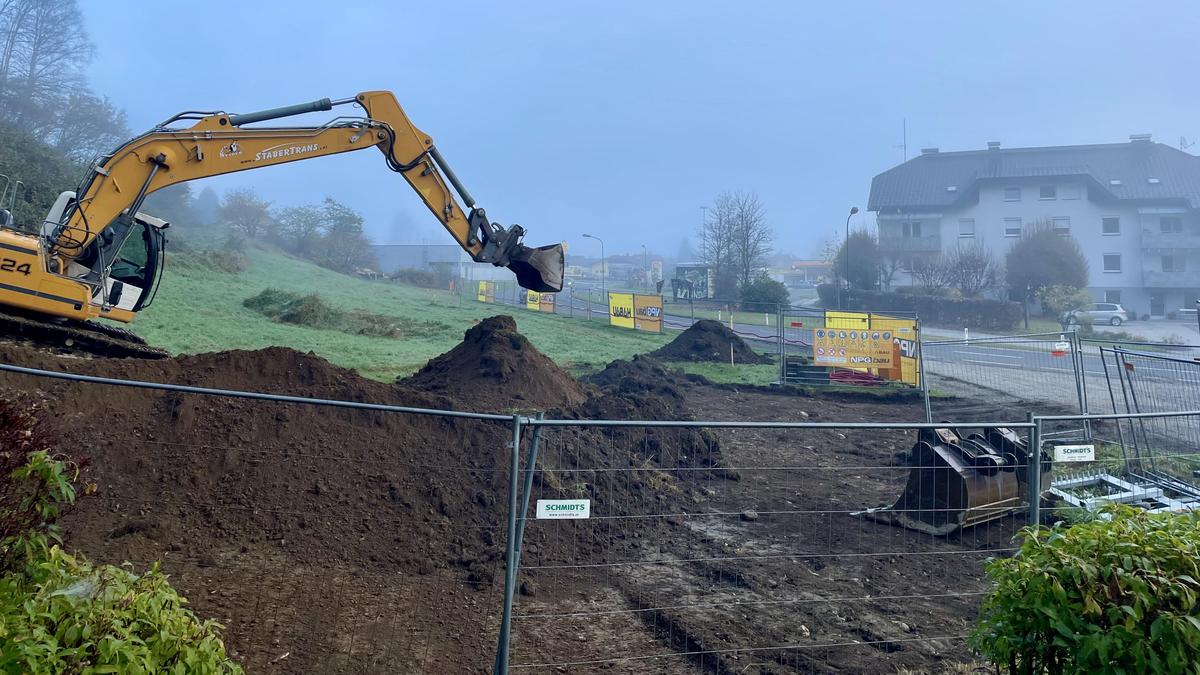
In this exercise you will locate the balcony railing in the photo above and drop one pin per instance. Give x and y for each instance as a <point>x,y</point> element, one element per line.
<point>1188,279</point>
<point>1170,241</point>
<point>899,243</point>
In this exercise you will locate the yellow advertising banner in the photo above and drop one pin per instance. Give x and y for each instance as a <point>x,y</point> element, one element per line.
<point>547,300</point>
<point>852,348</point>
<point>533,300</point>
<point>620,309</point>
<point>481,292</point>
<point>647,313</point>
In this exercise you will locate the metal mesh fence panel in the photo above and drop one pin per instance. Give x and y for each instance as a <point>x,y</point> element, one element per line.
<point>1150,465</point>
<point>1009,374</point>
<point>746,550</point>
<point>325,539</point>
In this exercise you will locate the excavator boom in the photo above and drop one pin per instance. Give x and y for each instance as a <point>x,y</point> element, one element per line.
<point>69,271</point>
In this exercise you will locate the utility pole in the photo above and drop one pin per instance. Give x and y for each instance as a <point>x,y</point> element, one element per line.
<point>846,245</point>
<point>603,266</point>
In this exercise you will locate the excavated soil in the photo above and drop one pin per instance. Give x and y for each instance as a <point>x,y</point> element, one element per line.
<point>495,368</point>
<point>339,540</point>
<point>308,530</point>
<point>708,340</point>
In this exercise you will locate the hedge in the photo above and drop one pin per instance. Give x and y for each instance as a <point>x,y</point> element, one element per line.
<point>1107,596</point>
<point>950,312</point>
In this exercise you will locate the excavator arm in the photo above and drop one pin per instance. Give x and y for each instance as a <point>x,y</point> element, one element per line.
<point>93,228</point>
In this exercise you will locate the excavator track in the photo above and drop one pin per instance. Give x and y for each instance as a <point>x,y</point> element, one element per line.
<point>83,338</point>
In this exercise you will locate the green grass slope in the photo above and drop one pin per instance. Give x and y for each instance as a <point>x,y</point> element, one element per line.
<point>199,309</point>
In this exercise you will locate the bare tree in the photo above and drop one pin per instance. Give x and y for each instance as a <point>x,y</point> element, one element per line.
<point>972,269</point>
<point>888,270</point>
<point>45,48</point>
<point>752,236</point>
<point>735,240</point>
<point>87,126</point>
<point>245,213</point>
<point>933,274</point>
<point>716,244</point>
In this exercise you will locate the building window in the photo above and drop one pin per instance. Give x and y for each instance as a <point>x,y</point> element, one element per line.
<point>1048,192</point>
<point>1172,263</point>
<point>1070,192</point>
<point>1112,262</point>
<point>1170,224</point>
<point>1012,227</point>
<point>911,229</point>
<point>1113,297</point>
<point>1012,194</point>
<point>1110,225</point>
<point>1062,225</point>
<point>966,228</point>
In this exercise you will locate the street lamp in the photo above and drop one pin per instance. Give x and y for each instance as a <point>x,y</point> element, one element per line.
<point>853,210</point>
<point>603,267</point>
<point>645,267</point>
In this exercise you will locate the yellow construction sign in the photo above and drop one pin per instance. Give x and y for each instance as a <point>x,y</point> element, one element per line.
<point>486,291</point>
<point>620,309</point>
<point>901,365</point>
<point>647,313</point>
<point>854,348</point>
<point>539,302</point>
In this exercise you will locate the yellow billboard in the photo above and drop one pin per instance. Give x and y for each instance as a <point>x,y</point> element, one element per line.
<point>620,309</point>
<point>539,302</point>
<point>647,313</point>
<point>902,365</point>
<point>481,294</point>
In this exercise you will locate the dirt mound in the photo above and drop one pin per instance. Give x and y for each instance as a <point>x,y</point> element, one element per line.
<point>495,368</point>
<point>234,495</point>
<point>708,340</point>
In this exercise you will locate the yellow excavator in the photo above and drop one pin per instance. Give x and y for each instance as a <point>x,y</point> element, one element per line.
<point>97,256</point>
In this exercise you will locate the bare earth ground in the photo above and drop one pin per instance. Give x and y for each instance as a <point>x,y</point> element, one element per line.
<point>803,587</point>
<point>354,542</point>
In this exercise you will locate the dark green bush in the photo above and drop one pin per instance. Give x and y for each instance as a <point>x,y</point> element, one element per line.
<point>764,294</point>
<point>60,613</point>
<point>1115,595</point>
<point>937,311</point>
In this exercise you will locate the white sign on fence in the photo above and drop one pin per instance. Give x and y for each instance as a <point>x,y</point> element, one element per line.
<point>1074,453</point>
<point>564,508</point>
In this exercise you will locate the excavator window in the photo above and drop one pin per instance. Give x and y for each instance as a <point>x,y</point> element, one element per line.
<point>139,262</point>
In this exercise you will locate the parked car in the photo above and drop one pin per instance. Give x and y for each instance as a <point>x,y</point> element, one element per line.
<point>1098,313</point>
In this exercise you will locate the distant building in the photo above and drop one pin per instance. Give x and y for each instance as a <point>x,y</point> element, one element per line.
<point>1133,207</point>
<point>448,259</point>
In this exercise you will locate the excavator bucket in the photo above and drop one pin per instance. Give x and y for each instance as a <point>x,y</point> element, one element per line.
<point>961,481</point>
<point>538,269</point>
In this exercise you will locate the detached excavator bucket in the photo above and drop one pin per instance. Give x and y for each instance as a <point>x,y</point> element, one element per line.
<point>958,482</point>
<point>538,269</point>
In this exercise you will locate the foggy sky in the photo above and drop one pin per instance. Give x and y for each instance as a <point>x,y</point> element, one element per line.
<point>623,118</point>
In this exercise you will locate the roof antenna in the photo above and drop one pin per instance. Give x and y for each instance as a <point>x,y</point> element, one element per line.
<point>1183,143</point>
<point>904,139</point>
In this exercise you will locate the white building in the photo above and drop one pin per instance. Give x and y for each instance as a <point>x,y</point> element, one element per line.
<point>1133,208</point>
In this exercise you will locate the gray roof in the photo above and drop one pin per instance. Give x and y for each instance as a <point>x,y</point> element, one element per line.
<point>921,182</point>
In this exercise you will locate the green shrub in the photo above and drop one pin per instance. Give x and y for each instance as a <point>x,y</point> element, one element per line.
<point>60,613</point>
<point>764,294</point>
<point>1114,595</point>
<point>71,616</point>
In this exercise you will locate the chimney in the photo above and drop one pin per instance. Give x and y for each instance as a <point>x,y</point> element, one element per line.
<point>993,145</point>
<point>929,151</point>
<point>1139,138</point>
